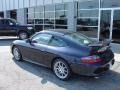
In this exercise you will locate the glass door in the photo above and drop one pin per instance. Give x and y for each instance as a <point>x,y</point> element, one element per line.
<point>116,26</point>
<point>105,24</point>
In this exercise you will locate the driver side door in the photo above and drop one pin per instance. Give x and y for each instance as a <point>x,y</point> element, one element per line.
<point>36,49</point>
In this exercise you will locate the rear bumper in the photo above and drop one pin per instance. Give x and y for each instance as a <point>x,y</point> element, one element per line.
<point>91,70</point>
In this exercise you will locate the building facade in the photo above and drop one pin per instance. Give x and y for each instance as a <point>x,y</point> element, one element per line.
<point>95,18</point>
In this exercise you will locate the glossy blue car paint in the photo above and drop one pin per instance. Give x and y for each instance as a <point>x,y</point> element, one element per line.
<point>71,53</point>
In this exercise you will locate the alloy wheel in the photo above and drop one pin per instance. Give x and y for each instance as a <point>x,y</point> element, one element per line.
<point>61,70</point>
<point>16,54</point>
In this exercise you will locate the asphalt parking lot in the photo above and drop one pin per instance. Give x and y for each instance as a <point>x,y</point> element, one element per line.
<point>26,76</point>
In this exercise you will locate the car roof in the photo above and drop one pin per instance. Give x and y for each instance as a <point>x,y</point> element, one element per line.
<point>58,31</point>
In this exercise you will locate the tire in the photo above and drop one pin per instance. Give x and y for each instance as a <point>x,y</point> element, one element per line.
<point>16,53</point>
<point>61,69</point>
<point>23,35</point>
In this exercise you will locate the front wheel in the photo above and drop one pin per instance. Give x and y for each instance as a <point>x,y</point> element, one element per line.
<point>23,35</point>
<point>16,54</point>
<point>61,69</point>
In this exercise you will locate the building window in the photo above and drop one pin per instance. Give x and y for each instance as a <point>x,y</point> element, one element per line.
<point>88,13</point>
<point>30,15</point>
<point>35,16</point>
<point>87,17</point>
<point>39,9</point>
<point>31,10</point>
<point>110,3</point>
<point>49,8</point>
<point>48,16</point>
<point>1,14</point>
<point>61,18</point>
<point>30,19</point>
<point>39,15</point>
<point>61,7</point>
<point>39,21</point>
<point>88,4</point>
<point>87,21</point>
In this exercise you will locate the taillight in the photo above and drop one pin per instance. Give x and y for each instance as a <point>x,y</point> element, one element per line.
<point>91,59</point>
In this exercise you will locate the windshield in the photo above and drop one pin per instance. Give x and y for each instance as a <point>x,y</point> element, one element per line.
<point>79,38</point>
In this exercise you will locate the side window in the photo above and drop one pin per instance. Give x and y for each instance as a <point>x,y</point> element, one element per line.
<point>10,22</point>
<point>1,22</point>
<point>42,38</point>
<point>55,41</point>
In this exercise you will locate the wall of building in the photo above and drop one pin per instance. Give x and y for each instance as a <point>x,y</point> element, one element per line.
<point>84,16</point>
<point>16,4</point>
<point>21,16</point>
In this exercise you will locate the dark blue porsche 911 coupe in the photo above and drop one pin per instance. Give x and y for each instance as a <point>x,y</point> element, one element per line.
<point>65,52</point>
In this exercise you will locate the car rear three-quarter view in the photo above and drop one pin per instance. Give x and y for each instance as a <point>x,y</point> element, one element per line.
<point>65,52</point>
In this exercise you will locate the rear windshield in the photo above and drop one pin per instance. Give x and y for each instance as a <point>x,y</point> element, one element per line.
<point>79,38</point>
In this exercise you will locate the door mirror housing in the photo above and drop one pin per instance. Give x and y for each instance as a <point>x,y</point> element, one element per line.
<point>11,24</point>
<point>30,41</point>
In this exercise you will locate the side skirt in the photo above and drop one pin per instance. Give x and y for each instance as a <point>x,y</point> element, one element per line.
<point>31,61</point>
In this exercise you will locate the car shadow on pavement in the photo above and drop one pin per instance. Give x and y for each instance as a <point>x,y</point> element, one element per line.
<point>108,81</point>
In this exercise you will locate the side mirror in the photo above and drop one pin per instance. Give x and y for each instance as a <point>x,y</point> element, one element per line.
<point>30,41</point>
<point>11,24</point>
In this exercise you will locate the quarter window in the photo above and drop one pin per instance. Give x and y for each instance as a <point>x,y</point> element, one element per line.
<point>42,38</point>
<point>55,41</point>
